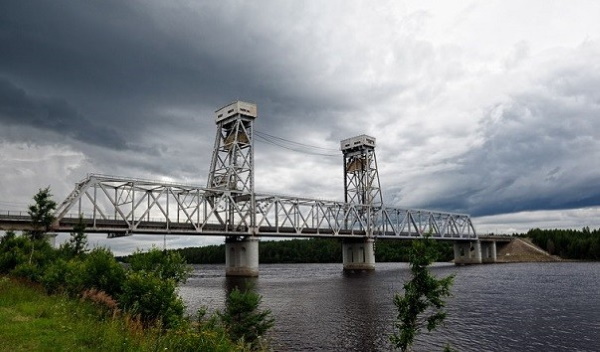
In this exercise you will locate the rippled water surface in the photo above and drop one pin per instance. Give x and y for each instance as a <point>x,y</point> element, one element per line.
<point>502,307</point>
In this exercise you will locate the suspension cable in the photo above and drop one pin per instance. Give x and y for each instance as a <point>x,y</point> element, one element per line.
<point>294,146</point>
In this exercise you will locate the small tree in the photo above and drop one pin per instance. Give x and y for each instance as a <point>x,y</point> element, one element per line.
<point>41,213</point>
<point>152,299</point>
<point>150,287</point>
<point>243,319</point>
<point>423,300</point>
<point>77,244</point>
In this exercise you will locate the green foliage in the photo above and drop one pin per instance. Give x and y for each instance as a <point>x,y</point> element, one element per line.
<point>41,213</point>
<point>243,319</point>
<point>316,250</point>
<point>152,298</point>
<point>77,244</point>
<point>33,321</point>
<point>150,288</point>
<point>163,264</point>
<point>23,257</point>
<point>14,250</point>
<point>101,270</point>
<point>581,244</point>
<point>421,305</point>
<point>96,270</point>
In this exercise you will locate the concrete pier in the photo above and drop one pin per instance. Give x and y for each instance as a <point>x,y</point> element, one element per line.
<point>467,252</point>
<point>241,256</point>
<point>358,254</point>
<point>488,251</point>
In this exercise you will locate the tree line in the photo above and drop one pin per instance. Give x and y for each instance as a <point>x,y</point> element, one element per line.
<point>314,250</point>
<point>581,244</point>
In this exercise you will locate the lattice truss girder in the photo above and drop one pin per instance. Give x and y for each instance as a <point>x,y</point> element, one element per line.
<point>361,178</point>
<point>115,204</point>
<point>232,164</point>
<point>133,205</point>
<point>300,216</point>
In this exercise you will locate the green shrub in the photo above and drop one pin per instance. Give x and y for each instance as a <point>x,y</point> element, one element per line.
<point>163,264</point>
<point>13,251</point>
<point>102,271</point>
<point>64,276</point>
<point>151,298</point>
<point>27,271</point>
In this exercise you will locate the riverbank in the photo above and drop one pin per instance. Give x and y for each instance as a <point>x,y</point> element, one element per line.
<point>30,320</point>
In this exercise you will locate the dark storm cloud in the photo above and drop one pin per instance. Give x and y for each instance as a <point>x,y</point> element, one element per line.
<point>120,61</point>
<point>19,108</point>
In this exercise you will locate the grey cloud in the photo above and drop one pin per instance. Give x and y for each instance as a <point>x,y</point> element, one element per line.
<point>19,108</point>
<point>539,152</point>
<point>122,60</point>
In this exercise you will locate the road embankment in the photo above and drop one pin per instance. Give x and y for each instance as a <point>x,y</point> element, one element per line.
<point>522,250</point>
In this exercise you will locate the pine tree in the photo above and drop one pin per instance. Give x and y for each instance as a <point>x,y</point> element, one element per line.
<point>41,213</point>
<point>243,319</point>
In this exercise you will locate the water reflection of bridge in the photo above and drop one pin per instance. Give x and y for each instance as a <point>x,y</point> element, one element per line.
<point>229,207</point>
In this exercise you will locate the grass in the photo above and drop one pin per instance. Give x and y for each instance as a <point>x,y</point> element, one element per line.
<point>30,320</point>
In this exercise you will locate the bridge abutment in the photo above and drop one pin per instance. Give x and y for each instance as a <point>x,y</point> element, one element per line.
<point>467,252</point>
<point>241,256</point>
<point>358,254</point>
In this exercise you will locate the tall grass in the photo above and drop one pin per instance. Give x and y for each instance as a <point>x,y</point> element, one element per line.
<point>30,320</point>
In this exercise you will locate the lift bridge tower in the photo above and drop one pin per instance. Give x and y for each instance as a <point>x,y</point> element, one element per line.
<point>361,186</point>
<point>231,180</point>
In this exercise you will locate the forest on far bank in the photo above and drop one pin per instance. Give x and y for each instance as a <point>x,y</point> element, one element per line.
<point>581,244</point>
<point>313,250</point>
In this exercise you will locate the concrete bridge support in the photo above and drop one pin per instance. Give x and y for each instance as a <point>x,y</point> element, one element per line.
<point>241,256</point>
<point>358,254</point>
<point>467,252</point>
<point>488,251</point>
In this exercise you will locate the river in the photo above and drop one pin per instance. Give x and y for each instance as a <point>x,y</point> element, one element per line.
<point>501,307</point>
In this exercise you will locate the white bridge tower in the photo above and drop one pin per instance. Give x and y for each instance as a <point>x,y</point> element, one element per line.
<point>231,178</point>
<point>361,186</point>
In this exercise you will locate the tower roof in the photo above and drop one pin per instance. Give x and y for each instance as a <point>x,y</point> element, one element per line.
<point>235,108</point>
<point>356,142</point>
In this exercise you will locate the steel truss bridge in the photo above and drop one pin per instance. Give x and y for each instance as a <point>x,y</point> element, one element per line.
<point>121,206</point>
<point>228,206</point>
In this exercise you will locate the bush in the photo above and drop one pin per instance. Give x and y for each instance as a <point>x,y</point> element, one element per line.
<point>102,271</point>
<point>152,299</point>
<point>13,251</point>
<point>163,264</point>
<point>64,276</point>
<point>23,257</point>
<point>27,271</point>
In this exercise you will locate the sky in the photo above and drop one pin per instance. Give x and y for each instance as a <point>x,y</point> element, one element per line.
<point>490,108</point>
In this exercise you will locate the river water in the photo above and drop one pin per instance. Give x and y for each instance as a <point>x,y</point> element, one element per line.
<point>502,307</point>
